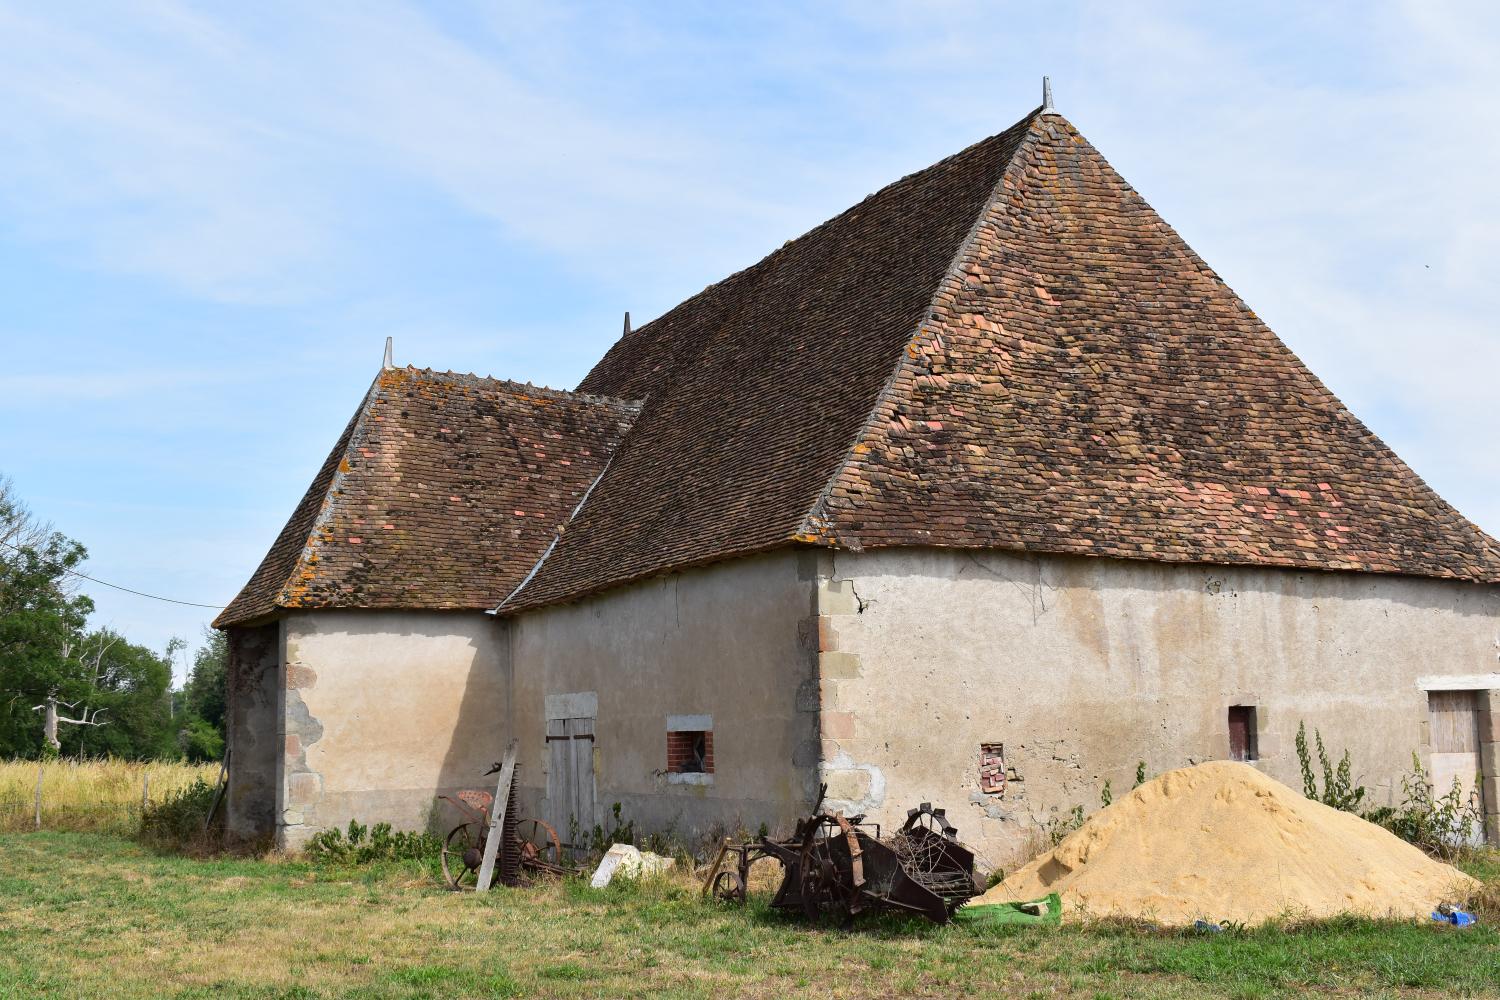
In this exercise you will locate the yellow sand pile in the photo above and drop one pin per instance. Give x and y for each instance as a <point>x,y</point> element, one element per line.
<point>1221,841</point>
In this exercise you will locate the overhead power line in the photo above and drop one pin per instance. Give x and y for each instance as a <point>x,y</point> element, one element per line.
<point>116,586</point>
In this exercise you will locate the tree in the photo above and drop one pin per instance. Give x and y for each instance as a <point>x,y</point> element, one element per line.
<point>66,689</point>
<point>204,692</point>
<point>41,627</point>
<point>200,733</point>
<point>130,687</point>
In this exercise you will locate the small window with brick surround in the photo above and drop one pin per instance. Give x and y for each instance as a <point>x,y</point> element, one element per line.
<point>690,752</point>
<point>690,744</point>
<point>1242,736</point>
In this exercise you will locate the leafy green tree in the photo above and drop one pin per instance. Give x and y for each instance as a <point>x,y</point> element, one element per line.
<point>66,689</point>
<point>204,692</point>
<point>41,626</point>
<point>200,742</point>
<point>130,694</point>
<point>200,725</point>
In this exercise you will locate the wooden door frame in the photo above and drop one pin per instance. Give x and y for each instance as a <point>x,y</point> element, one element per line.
<point>1486,691</point>
<point>576,717</point>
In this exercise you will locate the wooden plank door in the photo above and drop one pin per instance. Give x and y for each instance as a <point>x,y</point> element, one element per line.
<point>570,779</point>
<point>1453,718</point>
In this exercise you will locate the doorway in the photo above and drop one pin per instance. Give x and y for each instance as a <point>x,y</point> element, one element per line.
<point>570,779</point>
<point>1453,718</point>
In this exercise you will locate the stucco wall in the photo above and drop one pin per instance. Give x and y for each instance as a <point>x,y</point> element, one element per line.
<point>383,711</point>
<point>252,707</point>
<point>729,642</point>
<point>1082,667</point>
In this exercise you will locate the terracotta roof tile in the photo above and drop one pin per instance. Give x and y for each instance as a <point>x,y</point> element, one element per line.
<point>756,385</point>
<point>1010,349</point>
<point>1086,384</point>
<point>441,493</point>
<point>1007,350</point>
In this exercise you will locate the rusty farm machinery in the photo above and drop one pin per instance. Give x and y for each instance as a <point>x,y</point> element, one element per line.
<point>842,866</point>
<point>528,848</point>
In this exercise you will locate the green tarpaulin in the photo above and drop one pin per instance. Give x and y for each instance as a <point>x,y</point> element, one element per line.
<point>1037,911</point>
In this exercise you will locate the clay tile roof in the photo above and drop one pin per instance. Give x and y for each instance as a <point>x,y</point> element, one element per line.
<point>441,493</point>
<point>758,384</point>
<point>1007,350</point>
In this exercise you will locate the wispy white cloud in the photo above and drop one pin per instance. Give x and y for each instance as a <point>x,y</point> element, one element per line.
<point>241,158</point>
<point>24,391</point>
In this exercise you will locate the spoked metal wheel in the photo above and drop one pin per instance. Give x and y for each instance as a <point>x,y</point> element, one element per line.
<point>818,869</point>
<point>462,854</point>
<point>540,846</point>
<point>729,887</point>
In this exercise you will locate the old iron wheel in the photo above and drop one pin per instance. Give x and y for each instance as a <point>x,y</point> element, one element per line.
<point>818,883</point>
<point>460,848</point>
<point>728,886</point>
<point>935,820</point>
<point>539,843</point>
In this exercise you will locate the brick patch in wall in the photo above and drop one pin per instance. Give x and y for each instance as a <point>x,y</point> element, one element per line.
<point>992,768</point>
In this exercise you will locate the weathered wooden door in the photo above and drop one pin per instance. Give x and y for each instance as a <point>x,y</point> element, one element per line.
<point>1454,721</point>
<point>570,779</point>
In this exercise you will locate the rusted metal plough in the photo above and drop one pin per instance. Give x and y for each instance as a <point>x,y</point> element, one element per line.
<point>841,865</point>
<point>529,847</point>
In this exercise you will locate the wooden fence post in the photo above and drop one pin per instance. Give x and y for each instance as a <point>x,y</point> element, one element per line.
<point>145,791</point>
<point>39,767</point>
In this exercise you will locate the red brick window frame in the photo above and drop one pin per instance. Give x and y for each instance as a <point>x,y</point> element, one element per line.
<point>690,751</point>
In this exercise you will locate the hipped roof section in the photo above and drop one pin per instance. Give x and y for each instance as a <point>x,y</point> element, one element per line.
<point>441,493</point>
<point>1009,350</point>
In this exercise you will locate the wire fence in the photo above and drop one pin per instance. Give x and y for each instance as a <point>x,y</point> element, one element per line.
<point>104,795</point>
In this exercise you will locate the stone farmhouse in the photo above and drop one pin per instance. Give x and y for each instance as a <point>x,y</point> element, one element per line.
<point>979,493</point>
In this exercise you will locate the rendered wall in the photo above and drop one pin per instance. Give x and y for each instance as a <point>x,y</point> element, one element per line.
<point>252,711</point>
<point>1082,667</point>
<point>382,712</point>
<point>730,642</point>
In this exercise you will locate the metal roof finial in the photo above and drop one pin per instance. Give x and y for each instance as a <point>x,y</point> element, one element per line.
<point>1047,108</point>
<point>388,364</point>
<point>627,324</point>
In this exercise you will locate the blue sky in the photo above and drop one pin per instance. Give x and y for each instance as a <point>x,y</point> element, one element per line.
<point>212,215</point>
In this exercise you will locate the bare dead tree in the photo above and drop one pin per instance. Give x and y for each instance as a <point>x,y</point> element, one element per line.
<point>93,661</point>
<point>54,718</point>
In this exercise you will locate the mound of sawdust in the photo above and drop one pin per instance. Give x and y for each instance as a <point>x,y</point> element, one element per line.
<point>1221,841</point>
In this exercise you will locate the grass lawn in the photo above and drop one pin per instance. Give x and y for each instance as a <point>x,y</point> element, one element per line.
<point>85,914</point>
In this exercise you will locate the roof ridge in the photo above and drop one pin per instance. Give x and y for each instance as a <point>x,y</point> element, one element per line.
<point>357,433</point>
<point>270,596</point>
<point>759,265</point>
<point>1343,411</point>
<point>809,530</point>
<point>571,394</point>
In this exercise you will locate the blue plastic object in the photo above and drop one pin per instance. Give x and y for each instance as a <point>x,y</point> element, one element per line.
<point>1458,918</point>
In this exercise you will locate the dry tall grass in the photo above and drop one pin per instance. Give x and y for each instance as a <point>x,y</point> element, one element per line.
<point>101,794</point>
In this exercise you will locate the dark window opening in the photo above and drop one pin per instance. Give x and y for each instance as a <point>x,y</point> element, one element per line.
<point>1242,736</point>
<point>690,752</point>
